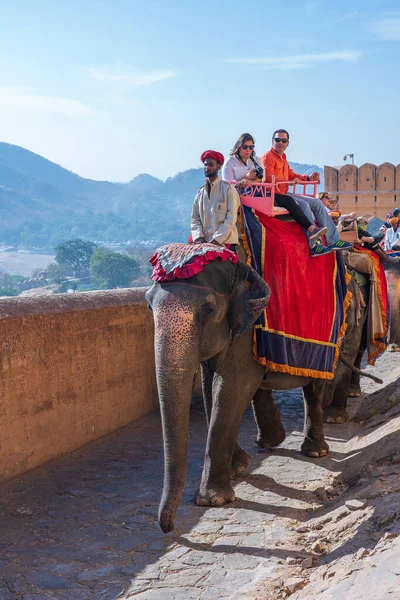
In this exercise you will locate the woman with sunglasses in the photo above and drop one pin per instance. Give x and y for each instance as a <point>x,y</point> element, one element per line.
<point>244,166</point>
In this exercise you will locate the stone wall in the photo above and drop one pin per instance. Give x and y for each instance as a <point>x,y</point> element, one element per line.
<point>366,190</point>
<point>74,367</point>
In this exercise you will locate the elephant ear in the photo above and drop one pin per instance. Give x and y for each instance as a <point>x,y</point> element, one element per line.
<point>250,296</point>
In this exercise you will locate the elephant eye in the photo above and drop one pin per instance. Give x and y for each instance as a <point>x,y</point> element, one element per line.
<point>209,306</point>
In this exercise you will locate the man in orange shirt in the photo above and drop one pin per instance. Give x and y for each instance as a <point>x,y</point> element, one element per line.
<point>276,164</point>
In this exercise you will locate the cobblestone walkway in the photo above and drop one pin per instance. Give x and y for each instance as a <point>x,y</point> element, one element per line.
<point>84,527</point>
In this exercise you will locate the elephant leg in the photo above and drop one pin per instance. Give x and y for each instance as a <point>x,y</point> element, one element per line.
<point>346,383</point>
<point>240,458</point>
<point>207,375</point>
<point>354,388</point>
<point>270,431</point>
<point>336,411</point>
<point>314,444</point>
<point>233,389</point>
<point>240,461</point>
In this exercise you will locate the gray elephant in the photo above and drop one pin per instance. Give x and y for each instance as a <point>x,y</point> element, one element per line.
<point>393,277</point>
<point>346,382</point>
<point>207,320</point>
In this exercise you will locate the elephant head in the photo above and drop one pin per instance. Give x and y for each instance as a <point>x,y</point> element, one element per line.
<point>195,319</point>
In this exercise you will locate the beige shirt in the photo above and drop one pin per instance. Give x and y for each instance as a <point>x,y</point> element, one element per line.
<point>214,217</point>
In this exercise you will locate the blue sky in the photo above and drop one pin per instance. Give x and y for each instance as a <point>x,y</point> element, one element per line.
<point>113,89</point>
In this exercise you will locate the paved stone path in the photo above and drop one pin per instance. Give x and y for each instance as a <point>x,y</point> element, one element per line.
<point>84,527</point>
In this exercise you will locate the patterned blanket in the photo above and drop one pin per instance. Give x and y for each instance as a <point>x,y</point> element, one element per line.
<point>378,306</point>
<point>181,261</point>
<point>300,330</point>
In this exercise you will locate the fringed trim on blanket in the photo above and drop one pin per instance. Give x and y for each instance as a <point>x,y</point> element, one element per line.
<point>243,238</point>
<point>377,336</point>
<point>190,269</point>
<point>346,304</point>
<point>279,368</point>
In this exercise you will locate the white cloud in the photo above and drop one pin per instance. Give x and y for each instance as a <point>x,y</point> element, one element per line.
<point>387,28</point>
<point>299,61</point>
<point>126,76</point>
<point>25,99</point>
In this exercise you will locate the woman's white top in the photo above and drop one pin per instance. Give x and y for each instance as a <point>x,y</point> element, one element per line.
<point>235,170</point>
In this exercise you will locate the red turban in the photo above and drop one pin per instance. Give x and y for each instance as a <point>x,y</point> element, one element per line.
<point>213,154</point>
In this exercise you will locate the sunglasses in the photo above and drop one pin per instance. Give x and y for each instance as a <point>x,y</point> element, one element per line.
<point>283,140</point>
<point>248,146</point>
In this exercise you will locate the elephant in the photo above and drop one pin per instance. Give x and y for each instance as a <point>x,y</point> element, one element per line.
<point>207,321</point>
<point>346,383</point>
<point>393,278</point>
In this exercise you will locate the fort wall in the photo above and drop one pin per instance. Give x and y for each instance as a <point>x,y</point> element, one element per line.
<point>366,190</point>
<point>74,367</point>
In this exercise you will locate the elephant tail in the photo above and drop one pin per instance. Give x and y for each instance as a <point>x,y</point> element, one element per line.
<point>348,364</point>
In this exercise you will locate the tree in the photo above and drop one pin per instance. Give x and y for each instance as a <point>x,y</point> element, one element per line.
<point>75,254</point>
<point>110,269</point>
<point>56,273</point>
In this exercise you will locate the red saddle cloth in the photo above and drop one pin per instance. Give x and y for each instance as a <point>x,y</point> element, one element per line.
<point>182,261</point>
<point>300,330</point>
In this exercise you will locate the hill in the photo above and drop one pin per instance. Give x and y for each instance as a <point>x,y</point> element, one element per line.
<point>43,204</point>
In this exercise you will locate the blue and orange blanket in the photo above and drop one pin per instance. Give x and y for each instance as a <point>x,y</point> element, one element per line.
<point>378,307</point>
<point>301,329</point>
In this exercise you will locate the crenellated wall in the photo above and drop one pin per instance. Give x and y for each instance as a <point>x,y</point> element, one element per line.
<point>367,189</point>
<point>74,367</point>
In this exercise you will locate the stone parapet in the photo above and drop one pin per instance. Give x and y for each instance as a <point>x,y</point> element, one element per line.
<point>74,367</point>
<point>369,189</point>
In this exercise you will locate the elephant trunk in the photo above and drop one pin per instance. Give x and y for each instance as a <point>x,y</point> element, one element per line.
<point>177,360</point>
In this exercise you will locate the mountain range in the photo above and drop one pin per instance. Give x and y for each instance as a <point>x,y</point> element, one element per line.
<point>43,204</point>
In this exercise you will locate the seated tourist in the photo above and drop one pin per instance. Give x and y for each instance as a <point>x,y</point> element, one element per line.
<point>244,166</point>
<point>366,238</point>
<point>335,216</point>
<point>276,164</point>
<point>327,200</point>
<point>392,240</point>
<point>373,242</point>
<point>215,208</point>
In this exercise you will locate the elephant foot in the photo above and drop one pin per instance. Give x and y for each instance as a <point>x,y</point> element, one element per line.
<point>338,415</point>
<point>272,438</point>
<point>215,495</point>
<point>354,391</point>
<point>314,448</point>
<point>240,462</point>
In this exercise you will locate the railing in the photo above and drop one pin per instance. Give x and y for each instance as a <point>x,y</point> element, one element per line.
<point>261,196</point>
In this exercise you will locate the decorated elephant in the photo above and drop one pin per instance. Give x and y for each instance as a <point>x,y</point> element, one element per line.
<point>367,327</point>
<point>393,277</point>
<point>207,320</point>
